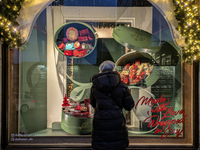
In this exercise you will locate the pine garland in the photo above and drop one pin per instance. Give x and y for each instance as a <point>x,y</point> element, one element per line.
<point>186,13</point>
<point>8,25</point>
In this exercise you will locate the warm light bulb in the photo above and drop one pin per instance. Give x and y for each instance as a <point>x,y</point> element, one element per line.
<point>15,29</point>
<point>8,6</point>
<point>15,8</point>
<point>194,7</point>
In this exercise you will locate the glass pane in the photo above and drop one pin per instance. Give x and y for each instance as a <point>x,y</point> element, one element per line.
<point>69,41</point>
<point>33,80</point>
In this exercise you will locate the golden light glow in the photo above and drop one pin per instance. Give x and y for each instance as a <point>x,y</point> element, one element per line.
<point>9,23</point>
<point>8,32</point>
<point>188,26</point>
<point>15,8</point>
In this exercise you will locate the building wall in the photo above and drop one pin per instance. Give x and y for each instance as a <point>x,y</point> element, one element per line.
<point>0,91</point>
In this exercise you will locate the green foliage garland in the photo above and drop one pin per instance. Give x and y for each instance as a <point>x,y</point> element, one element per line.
<point>186,12</point>
<point>8,25</point>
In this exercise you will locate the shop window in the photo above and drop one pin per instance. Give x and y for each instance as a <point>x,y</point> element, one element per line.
<point>66,47</point>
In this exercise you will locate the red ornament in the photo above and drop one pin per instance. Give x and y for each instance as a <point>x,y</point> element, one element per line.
<point>80,53</point>
<point>68,53</point>
<point>77,45</point>
<point>78,107</point>
<point>65,102</point>
<point>61,46</point>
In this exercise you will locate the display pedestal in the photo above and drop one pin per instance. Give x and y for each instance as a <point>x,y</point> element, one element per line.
<point>76,125</point>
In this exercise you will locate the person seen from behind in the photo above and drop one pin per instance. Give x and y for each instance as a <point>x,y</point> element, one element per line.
<point>109,95</point>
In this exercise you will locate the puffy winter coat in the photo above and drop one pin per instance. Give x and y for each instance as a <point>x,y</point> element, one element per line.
<point>109,95</point>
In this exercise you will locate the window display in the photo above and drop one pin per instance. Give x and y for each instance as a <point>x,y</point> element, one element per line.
<point>137,63</point>
<point>65,48</point>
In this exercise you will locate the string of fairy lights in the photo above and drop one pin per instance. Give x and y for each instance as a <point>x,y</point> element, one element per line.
<point>9,11</point>
<point>186,12</point>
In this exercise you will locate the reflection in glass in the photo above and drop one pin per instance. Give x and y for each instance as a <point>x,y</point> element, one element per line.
<point>54,88</point>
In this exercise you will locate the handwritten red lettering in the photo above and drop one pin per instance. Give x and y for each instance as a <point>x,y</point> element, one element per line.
<point>159,100</point>
<point>171,112</point>
<point>154,121</point>
<point>151,102</point>
<point>145,100</point>
<point>157,131</point>
<point>178,132</point>
<point>160,108</point>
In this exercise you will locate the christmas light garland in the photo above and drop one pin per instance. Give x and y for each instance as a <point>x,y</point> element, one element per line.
<point>186,12</point>
<point>8,25</point>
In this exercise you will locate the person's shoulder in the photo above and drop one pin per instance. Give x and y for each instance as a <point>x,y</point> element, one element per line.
<point>122,85</point>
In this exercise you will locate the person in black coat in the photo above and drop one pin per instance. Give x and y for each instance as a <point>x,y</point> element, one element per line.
<point>109,95</point>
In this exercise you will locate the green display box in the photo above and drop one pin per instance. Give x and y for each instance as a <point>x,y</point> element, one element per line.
<point>76,125</point>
